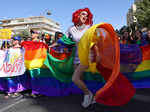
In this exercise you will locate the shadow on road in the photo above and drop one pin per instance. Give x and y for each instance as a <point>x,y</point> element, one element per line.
<point>139,103</point>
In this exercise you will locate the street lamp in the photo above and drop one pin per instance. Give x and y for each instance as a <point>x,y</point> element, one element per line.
<point>48,12</point>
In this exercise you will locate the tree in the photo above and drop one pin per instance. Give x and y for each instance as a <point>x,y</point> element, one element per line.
<point>143,13</point>
<point>23,34</point>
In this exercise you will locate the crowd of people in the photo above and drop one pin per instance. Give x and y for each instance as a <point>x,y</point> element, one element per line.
<point>138,37</point>
<point>82,20</point>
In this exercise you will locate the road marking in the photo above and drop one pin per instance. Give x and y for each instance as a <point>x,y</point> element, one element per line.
<point>11,105</point>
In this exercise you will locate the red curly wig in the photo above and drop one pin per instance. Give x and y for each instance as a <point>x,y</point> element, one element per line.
<point>75,16</point>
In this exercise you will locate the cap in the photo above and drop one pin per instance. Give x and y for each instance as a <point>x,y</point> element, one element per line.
<point>17,38</point>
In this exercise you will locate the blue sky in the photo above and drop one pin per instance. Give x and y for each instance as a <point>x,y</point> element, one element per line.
<point>111,11</point>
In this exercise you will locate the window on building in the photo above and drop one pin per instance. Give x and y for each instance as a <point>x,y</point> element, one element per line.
<point>21,20</point>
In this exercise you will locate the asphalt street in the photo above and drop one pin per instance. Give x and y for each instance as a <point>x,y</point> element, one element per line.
<point>139,103</point>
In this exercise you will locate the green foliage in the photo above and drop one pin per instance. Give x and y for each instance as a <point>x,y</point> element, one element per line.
<point>143,13</point>
<point>23,34</point>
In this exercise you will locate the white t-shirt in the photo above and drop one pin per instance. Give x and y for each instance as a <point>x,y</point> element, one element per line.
<point>75,33</point>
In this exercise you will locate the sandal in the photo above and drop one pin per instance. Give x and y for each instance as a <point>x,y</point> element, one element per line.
<point>14,95</point>
<point>7,95</point>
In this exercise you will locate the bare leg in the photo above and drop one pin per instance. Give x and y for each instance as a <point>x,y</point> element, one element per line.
<point>77,78</point>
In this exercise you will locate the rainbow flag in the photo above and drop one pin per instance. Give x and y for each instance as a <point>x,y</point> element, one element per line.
<point>117,90</point>
<point>51,75</point>
<point>35,54</point>
<point>139,70</point>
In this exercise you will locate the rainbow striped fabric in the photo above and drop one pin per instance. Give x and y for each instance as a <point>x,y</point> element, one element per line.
<point>137,70</point>
<point>134,65</point>
<point>35,54</point>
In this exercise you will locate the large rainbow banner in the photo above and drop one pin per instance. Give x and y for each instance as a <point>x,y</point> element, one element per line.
<point>51,72</point>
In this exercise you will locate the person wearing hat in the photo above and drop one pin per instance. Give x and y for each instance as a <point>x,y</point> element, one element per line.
<point>16,42</point>
<point>35,35</point>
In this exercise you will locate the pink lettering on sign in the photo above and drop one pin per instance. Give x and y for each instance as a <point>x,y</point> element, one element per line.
<point>15,67</point>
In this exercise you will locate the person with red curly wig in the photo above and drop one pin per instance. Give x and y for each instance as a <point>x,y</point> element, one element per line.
<point>82,19</point>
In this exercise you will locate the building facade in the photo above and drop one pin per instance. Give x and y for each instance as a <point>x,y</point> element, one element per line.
<point>130,14</point>
<point>39,23</point>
